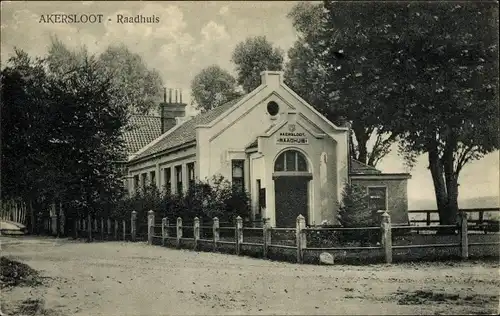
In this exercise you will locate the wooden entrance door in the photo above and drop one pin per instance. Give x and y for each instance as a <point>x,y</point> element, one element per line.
<point>291,199</point>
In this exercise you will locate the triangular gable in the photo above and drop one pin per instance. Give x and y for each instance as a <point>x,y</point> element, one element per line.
<point>248,99</point>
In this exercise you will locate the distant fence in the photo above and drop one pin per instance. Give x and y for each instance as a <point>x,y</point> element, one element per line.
<point>476,216</point>
<point>13,211</point>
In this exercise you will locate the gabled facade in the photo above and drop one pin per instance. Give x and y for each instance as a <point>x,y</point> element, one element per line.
<point>289,157</point>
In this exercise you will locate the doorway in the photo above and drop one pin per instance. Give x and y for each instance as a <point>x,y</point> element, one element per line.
<point>291,186</point>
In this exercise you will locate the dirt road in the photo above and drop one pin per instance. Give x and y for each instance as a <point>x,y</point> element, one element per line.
<point>119,278</point>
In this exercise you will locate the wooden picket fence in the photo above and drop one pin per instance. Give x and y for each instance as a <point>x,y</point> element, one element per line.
<point>297,243</point>
<point>15,211</point>
<point>385,248</point>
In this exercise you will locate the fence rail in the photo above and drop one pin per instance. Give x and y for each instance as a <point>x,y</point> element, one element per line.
<point>302,240</point>
<point>480,211</point>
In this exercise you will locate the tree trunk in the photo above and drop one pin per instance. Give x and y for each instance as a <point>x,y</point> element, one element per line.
<point>439,184</point>
<point>451,186</point>
<point>89,228</point>
<point>58,218</point>
<point>32,217</point>
<point>362,140</point>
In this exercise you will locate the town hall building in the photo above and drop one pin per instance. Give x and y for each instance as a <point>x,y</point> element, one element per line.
<point>289,157</point>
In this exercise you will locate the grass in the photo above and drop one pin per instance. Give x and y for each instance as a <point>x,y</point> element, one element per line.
<point>14,273</point>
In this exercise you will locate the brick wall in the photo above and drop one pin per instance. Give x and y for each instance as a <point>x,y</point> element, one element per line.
<point>397,196</point>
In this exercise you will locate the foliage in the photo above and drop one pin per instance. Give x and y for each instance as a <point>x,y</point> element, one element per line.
<point>132,84</point>
<point>65,131</point>
<point>446,94</point>
<point>425,73</point>
<point>88,134</point>
<point>303,72</point>
<point>355,212</point>
<point>212,87</point>
<point>204,199</point>
<point>251,57</point>
<point>14,273</point>
<point>23,85</point>
<point>355,40</point>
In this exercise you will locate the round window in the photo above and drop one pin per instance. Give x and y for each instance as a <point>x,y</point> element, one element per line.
<point>273,108</point>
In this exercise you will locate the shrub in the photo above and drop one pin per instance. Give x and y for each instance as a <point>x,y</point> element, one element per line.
<point>354,211</point>
<point>213,198</point>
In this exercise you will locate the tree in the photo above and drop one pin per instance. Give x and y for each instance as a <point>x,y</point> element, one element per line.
<point>354,211</point>
<point>355,40</point>
<point>303,72</point>
<point>212,87</point>
<point>251,57</point>
<point>28,172</point>
<point>64,132</point>
<point>132,83</point>
<point>446,91</point>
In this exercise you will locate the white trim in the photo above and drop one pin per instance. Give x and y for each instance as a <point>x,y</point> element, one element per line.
<point>310,107</point>
<point>380,176</point>
<point>234,106</point>
<point>274,118</point>
<point>313,133</point>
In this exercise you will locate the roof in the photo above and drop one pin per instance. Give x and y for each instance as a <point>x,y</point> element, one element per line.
<point>186,132</point>
<point>357,167</point>
<point>142,130</point>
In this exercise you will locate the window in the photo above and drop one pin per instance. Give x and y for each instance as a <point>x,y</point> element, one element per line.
<point>152,177</point>
<point>178,179</point>
<point>291,160</point>
<point>144,178</point>
<point>377,198</point>
<point>190,170</point>
<point>168,179</point>
<point>262,196</point>
<point>238,174</point>
<point>136,182</point>
<point>272,108</point>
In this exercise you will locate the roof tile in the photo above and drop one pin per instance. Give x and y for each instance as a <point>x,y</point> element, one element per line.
<point>187,132</point>
<point>142,130</point>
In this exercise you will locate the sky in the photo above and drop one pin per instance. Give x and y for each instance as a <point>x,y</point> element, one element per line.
<point>189,37</point>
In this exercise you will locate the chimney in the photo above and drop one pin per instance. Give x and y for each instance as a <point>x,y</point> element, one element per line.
<point>169,111</point>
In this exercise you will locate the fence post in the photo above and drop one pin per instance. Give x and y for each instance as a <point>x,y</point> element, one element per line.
<point>301,238</point>
<point>266,232</point>
<point>89,228</point>
<point>196,232</point>
<point>239,234</point>
<point>215,229</point>
<point>77,222</point>
<point>386,240</point>
<point>108,224</point>
<point>102,228</point>
<point>481,218</point>
<point>428,218</point>
<point>133,223</point>
<point>62,224</point>
<point>115,227</point>
<point>151,226</point>
<point>179,231</point>
<point>163,230</point>
<point>124,230</point>
<point>464,238</point>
